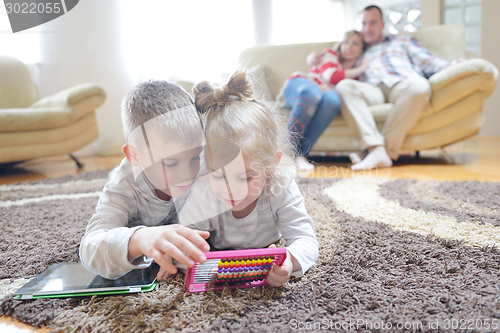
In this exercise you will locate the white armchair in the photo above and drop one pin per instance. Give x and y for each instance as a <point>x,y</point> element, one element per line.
<point>31,127</point>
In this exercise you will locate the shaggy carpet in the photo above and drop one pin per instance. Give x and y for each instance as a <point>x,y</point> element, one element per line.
<point>395,255</point>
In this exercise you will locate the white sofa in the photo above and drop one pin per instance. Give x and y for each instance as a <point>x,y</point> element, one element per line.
<point>455,111</point>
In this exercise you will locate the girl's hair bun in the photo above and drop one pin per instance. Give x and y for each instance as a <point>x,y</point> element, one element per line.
<point>237,88</point>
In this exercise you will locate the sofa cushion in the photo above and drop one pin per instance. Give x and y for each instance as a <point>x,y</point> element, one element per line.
<point>259,79</point>
<point>432,38</point>
<point>280,61</point>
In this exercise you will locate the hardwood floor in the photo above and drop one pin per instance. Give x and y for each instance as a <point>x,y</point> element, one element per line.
<point>477,158</point>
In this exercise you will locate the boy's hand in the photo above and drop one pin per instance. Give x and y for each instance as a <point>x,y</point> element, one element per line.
<point>280,274</point>
<point>163,243</point>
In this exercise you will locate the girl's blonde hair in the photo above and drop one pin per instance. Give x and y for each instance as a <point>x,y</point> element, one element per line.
<point>230,114</point>
<point>348,35</point>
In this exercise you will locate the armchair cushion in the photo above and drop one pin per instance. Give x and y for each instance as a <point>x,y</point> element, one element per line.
<point>17,89</point>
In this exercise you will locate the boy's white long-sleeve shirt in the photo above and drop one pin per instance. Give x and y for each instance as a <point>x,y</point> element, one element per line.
<point>125,205</point>
<point>280,211</point>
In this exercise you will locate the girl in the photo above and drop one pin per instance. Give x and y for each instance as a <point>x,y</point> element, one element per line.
<point>311,97</point>
<point>251,200</point>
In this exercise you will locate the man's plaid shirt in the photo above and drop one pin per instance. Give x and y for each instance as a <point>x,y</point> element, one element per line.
<point>398,57</point>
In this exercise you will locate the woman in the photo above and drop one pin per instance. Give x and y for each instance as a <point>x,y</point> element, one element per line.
<point>311,97</point>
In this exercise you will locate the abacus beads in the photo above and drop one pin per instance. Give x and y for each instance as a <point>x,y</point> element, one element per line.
<point>243,270</point>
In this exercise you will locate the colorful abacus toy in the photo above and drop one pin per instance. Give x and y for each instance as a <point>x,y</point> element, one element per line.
<point>233,269</point>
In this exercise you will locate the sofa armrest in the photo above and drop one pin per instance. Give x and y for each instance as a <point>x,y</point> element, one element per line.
<point>57,110</point>
<point>461,80</point>
<point>73,96</point>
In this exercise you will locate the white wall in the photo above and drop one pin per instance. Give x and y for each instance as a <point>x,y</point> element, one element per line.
<point>81,46</point>
<point>490,50</point>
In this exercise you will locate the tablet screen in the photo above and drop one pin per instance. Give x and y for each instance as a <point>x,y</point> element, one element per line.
<point>73,277</point>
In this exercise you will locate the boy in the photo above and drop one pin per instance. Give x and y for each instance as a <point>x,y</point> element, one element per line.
<point>135,220</point>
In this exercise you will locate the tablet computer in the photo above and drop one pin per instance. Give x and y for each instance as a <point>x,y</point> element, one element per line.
<point>70,279</point>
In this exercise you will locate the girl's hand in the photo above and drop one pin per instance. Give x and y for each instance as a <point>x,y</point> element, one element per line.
<point>324,87</point>
<point>279,275</point>
<point>365,63</point>
<point>162,274</point>
<point>313,59</point>
<point>163,243</point>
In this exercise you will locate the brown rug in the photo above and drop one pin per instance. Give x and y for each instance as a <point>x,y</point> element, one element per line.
<point>398,255</point>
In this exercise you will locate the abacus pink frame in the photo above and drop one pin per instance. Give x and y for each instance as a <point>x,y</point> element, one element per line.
<point>279,257</point>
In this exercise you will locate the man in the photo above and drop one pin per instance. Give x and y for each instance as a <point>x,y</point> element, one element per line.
<point>397,74</point>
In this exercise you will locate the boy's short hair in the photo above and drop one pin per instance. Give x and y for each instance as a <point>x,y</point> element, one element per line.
<point>166,105</point>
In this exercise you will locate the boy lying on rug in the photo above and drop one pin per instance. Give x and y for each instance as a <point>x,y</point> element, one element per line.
<point>254,200</point>
<point>135,219</point>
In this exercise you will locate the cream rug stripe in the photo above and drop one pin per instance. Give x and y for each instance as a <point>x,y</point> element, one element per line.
<point>361,198</point>
<point>49,198</point>
<point>72,183</point>
<point>426,192</point>
<point>8,286</point>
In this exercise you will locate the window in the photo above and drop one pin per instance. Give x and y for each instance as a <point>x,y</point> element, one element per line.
<point>403,17</point>
<point>201,40</point>
<point>185,40</point>
<point>299,21</point>
<point>24,45</point>
<point>467,12</point>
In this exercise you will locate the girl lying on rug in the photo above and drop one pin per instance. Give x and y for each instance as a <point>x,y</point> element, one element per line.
<point>253,200</point>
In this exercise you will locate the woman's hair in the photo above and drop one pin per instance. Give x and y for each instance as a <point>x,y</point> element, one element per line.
<point>230,114</point>
<point>164,109</point>
<point>348,35</point>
